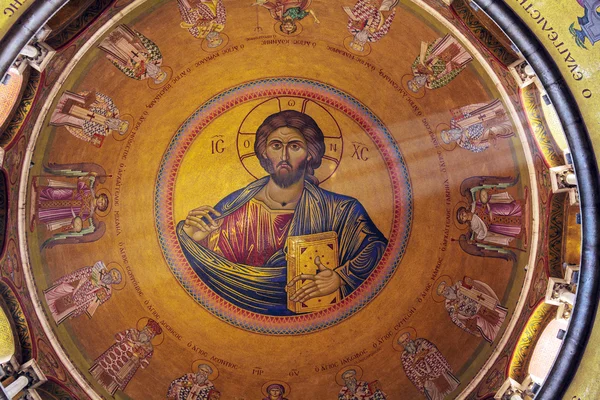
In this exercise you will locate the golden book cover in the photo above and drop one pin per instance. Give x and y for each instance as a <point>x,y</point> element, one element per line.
<point>301,254</point>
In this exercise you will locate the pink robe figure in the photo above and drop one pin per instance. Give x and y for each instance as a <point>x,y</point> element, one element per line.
<point>133,350</point>
<point>77,293</point>
<point>59,204</point>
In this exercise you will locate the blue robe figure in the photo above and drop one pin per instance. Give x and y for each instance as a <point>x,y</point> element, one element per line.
<point>261,288</point>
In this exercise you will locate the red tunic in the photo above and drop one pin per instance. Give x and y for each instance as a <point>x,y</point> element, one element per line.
<point>252,234</point>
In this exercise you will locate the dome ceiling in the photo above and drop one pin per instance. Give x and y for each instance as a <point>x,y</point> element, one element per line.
<point>307,199</point>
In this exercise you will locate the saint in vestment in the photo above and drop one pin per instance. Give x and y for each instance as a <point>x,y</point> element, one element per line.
<point>89,116</point>
<point>81,291</point>
<point>426,368</point>
<point>193,386</point>
<point>133,54</point>
<point>474,307</point>
<point>477,126</point>
<point>367,22</point>
<point>203,19</point>
<point>133,350</point>
<point>288,12</point>
<point>438,64</point>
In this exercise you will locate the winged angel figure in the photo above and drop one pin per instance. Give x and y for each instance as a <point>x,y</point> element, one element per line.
<point>67,203</point>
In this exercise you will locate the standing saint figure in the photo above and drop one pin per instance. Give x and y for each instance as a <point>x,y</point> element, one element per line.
<point>65,206</point>
<point>81,292</point>
<point>204,19</point>
<point>476,126</point>
<point>133,54</point>
<point>426,368</point>
<point>354,389</point>
<point>367,22</point>
<point>89,116</point>
<point>474,307</point>
<point>194,386</point>
<point>69,206</point>
<point>237,246</point>
<point>275,392</point>
<point>288,12</point>
<point>133,350</point>
<point>438,63</point>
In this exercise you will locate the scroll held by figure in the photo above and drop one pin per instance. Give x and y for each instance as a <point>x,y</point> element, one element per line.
<point>438,63</point>
<point>134,54</point>
<point>282,245</point>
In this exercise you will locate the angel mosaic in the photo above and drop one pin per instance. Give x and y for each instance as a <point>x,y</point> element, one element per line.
<point>132,350</point>
<point>473,306</point>
<point>492,216</point>
<point>438,64</point>
<point>89,116</point>
<point>288,13</point>
<point>67,202</point>
<point>367,23</point>
<point>426,367</point>
<point>476,127</point>
<point>134,54</point>
<point>82,291</point>
<point>204,19</point>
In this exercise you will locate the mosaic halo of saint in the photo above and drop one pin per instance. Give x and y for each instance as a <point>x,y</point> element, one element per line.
<point>283,247</point>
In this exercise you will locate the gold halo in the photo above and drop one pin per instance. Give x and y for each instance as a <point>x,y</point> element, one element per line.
<point>157,340</point>
<point>129,118</point>
<point>457,224</point>
<point>410,330</point>
<point>211,377</point>
<point>224,43</point>
<point>286,387</point>
<point>367,49</point>
<point>299,29</point>
<point>435,294</point>
<point>419,95</point>
<point>118,267</point>
<point>438,134</point>
<point>155,86</point>
<point>338,376</point>
<point>331,130</point>
<point>110,200</point>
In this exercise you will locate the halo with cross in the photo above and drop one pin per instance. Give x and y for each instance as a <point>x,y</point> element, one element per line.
<point>328,124</point>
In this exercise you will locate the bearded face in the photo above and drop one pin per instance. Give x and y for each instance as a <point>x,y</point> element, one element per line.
<point>287,156</point>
